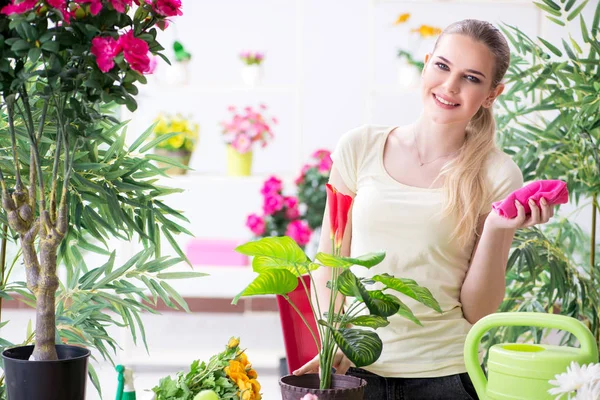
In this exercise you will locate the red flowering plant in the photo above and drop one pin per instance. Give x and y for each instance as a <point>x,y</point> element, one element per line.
<point>311,187</point>
<point>279,262</point>
<point>280,215</point>
<point>66,173</point>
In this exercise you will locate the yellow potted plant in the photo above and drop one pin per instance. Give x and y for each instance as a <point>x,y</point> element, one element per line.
<point>175,152</point>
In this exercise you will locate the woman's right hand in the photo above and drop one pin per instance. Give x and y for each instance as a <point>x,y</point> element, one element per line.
<point>341,363</point>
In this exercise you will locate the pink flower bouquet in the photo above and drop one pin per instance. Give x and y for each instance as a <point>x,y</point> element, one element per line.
<point>248,127</point>
<point>252,58</point>
<point>280,215</point>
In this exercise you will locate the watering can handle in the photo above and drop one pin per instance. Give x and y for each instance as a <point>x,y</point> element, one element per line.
<point>541,320</point>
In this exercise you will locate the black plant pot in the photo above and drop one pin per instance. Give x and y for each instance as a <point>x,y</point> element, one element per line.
<point>63,379</point>
<point>343,387</point>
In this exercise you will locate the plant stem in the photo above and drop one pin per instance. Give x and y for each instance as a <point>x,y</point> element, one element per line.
<point>303,320</point>
<point>3,261</point>
<point>593,240</point>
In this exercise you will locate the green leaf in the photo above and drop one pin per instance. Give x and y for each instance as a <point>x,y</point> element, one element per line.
<point>569,4</point>
<point>276,281</point>
<point>158,140</point>
<point>34,54</point>
<point>262,263</point>
<point>282,248</point>
<point>143,137</point>
<point>175,245</point>
<point>576,11</point>
<point>176,296</point>
<point>367,260</point>
<point>556,20</point>
<point>552,4</point>
<point>20,45</point>
<point>379,303</point>
<point>551,47</point>
<point>370,321</point>
<point>51,46</point>
<point>409,288</point>
<point>329,260</point>
<point>347,284</point>
<point>404,310</point>
<point>360,346</point>
<point>180,275</point>
<point>547,9</point>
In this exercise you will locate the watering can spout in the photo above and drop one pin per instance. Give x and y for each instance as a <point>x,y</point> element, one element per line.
<point>518,370</point>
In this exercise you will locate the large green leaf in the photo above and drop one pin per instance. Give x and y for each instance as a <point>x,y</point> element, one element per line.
<point>370,321</point>
<point>404,310</point>
<point>380,303</point>
<point>362,347</point>
<point>283,248</point>
<point>347,284</point>
<point>275,281</point>
<point>264,263</point>
<point>409,288</point>
<point>330,260</point>
<point>368,260</point>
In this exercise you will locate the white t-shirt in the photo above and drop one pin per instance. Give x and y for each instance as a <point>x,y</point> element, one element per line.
<point>405,221</point>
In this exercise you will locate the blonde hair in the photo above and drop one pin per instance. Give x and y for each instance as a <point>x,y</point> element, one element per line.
<point>465,186</point>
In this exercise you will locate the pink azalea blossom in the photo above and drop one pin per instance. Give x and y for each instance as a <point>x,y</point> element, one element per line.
<point>135,51</point>
<point>105,49</point>
<point>153,64</point>
<point>300,179</point>
<point>18,8</point>
<point>120,5</point>
<point>273,185</point>
<point>241,144</point>
<point>291,205</point>
<point>325,165</point>
<point>60,4</point>
<point>167,8</point>
<point>272,204</point>
<point>299,231</point>
<point>95,5</point>
<point>231,108</point>
<point>321,154</point>
<point>256,224</point>
<point>263,107</point>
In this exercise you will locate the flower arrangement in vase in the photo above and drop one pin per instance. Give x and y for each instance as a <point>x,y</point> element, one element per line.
<point>175,150</point>
<point>280,216</point>
<point>227,375</point>
<point>252,68</point>
<point>280,264</point>
<point>245,129</point>
<point>410,68</point>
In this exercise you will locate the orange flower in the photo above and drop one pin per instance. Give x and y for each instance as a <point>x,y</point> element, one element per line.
<point>252,374</point>
<point>236,370</point>
<point>402,18</point>
<point>427,31</point>
<point>242,358</point>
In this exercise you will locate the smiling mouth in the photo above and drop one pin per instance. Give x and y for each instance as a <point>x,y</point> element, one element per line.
<point>444,101</point>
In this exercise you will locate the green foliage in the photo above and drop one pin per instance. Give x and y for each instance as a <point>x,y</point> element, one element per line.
<point>550,124</point>
<point>311,187</point>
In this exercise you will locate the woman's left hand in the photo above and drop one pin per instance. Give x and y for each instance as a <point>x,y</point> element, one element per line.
<point>539,215</point>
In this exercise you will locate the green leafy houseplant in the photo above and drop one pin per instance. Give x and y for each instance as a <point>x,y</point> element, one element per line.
<point>69,182</point>
<point>279,262</point>
<point>550,123</point>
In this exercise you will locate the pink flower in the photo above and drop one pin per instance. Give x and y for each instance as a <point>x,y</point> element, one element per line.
<point>136,52</point>
<point>291,205</point>
<point>167,8</point>
<point>321,154</point>
<point>273,185</point>
<point>60,4</point>
<point>325,165</point>
<point>120,5</point>
<point>310,397</point>
<point>299,231</point>
<point>231,108</point>
<point>256,224</point>
<point>95,5</point>
<point>241,144</point>
<point>272,204</point>
<point>105,49</point>
<point>18,8</point>
<point>153,64</point>
<point>300,179</point>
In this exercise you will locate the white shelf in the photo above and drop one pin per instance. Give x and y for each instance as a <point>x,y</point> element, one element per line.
<point>201,90</point>
<point>200,178</point>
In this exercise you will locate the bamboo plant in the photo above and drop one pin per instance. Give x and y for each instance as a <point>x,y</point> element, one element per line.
<point>549,120</point>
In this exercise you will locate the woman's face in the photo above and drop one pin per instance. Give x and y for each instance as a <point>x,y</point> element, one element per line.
<point>457,79</point>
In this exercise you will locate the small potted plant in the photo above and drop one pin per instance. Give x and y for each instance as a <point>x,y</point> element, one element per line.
<point>252,69</point>
<point>179,137</point>
<point>280,215</point>
<point>227,375</point>
<point>280,262</point>
<point>310,186</point>
<point>246,128</point>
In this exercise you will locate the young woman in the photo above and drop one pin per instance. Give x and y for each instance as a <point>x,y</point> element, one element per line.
<point>423,193</point>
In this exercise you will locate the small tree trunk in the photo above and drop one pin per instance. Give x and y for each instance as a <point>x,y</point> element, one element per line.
<point>45,326</point>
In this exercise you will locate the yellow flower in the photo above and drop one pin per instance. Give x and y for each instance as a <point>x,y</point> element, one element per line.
<point>252,374</point>
<point>233,342</point>
<point>176,141</point>
<point>255,386</point>
<point>236,370</point>
<point>402,18</point>
<point>178,126</point>
<point>427,31</point>
<point>243,359</point>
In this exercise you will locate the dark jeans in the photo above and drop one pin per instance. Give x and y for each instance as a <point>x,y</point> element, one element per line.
<point>453,387</point>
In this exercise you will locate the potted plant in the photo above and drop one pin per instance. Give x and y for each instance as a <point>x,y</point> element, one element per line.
<point>312,195</point>
<point>549,121</point>
<point>280,263</point>
<point>182,136</point>
<point>280,215</point>
<point>246,128</point>
<point>69,183</point>
<point>252,69</point>
<point>228,375</point>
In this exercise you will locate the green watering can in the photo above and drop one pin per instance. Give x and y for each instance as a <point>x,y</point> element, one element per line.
<point>522,371</point>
